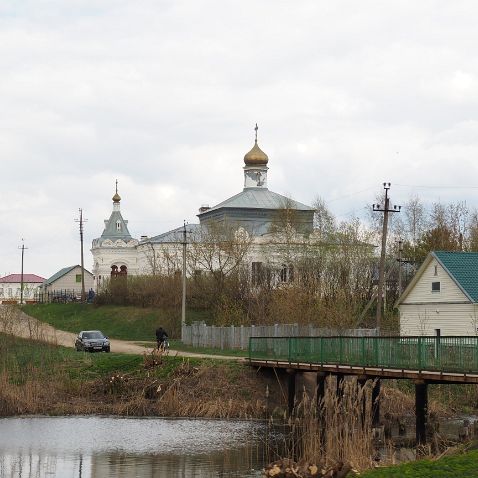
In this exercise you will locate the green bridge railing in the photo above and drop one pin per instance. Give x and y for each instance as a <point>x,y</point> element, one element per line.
<point>443,354</point>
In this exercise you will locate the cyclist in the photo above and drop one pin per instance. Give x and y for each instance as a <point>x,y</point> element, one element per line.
<point>161,338</point>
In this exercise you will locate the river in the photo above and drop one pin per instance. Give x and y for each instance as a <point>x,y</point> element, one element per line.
<point>100,447</point>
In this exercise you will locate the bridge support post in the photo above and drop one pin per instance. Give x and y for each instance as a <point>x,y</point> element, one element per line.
<point>376,403</point>
<point>321,381</point>
<point>421,411</point>
<point>291,375</point>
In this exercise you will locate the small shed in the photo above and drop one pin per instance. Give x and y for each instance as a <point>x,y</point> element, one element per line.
<point>68,280</point>
<point>442,298</point>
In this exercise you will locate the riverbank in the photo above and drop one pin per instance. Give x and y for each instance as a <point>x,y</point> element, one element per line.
<point>41,378</point>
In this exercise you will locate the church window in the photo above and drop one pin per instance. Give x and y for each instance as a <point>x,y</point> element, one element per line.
<point>287,273</point>
<point>118,225</point>
<point>257,273</point>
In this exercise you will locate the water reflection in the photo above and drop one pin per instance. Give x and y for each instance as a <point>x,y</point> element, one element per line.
<point>111,447</point>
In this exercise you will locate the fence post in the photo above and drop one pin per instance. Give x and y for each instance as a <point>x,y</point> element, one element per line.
<point>232,343</point>
<point>419,353</point>
<point>241,338</point>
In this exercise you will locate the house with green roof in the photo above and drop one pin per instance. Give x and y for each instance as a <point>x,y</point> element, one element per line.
<point>442,298</point>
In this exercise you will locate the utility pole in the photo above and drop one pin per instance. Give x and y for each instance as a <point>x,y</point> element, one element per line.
<point>400,250</point>
<point>381,275</point>
<point>81,221</point>
<point>183,308</point>
<point>22,247</point>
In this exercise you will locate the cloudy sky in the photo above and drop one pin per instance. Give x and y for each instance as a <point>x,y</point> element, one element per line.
<point>163,95</point>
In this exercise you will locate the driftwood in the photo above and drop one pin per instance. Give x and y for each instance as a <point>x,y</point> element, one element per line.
<point>287,468</point>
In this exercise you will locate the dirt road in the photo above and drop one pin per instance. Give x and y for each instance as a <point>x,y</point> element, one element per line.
<point>23,325</point>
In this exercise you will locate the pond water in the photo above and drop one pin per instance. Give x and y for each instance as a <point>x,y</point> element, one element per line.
<point>129,447</point>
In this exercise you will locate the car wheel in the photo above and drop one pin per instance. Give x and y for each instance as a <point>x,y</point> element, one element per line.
<point>107,350</point>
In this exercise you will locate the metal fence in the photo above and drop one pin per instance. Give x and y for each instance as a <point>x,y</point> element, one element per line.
<point>446,354</point>
<point>237,337</point>
<point>62,296</point>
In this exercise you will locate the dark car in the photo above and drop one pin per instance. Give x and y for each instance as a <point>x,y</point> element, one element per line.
<point>92,341</point>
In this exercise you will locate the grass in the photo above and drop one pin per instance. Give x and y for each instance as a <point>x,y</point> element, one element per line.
<point>21,356</point>
<point>178,345</point>
<point>464,465</point>
<point>37,377</point>
<point>118,322</point>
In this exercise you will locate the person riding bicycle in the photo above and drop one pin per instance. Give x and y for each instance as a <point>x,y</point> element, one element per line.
<point>161,337</point>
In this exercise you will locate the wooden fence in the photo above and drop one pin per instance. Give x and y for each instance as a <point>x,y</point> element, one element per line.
<point>237,337</point>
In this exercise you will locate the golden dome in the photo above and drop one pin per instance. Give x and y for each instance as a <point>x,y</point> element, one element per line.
<point>256,156</point>
<point>116,197</point>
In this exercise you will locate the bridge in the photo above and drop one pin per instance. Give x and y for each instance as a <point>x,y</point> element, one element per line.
<point>423,359</point>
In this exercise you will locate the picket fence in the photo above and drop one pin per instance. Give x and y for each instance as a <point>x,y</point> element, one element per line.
<point>237,337</point>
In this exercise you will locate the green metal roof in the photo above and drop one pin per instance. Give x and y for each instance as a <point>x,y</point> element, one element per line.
<point>463,268</point>
<point>61,273</point>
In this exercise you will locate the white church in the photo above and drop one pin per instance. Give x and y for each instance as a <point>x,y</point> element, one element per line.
<point>253,215</point>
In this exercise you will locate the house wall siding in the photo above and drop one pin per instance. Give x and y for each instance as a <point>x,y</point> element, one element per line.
<point>451,319</point>
<point>68,282</point>
<point>422,292</point>
<point>450,310</point>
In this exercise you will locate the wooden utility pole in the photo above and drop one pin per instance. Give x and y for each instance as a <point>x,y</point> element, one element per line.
<point>381,275</point>
<point>400,250</point>
<point>81,221</point>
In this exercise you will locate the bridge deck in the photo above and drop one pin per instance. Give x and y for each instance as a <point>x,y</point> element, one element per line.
<point>433,359</point>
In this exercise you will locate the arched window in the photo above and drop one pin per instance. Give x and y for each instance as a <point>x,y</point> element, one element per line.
<point>118,225</point>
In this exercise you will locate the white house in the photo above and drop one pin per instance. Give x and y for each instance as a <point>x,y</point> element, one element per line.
<point>442,298</point>
<point>10,287</point>
<point>68,280</point>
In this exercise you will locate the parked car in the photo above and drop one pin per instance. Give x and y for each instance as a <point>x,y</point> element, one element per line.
<point>92,341</point>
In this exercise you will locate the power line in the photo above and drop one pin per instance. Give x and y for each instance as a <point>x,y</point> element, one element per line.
<point>350,195</point>
<point>435,187</point>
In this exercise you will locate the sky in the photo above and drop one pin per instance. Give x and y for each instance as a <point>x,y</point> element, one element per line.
<point>164,96</point>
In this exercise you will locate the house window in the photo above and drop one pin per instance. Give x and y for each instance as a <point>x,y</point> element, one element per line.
<point>435,286</point>
<point>78,277</point>
<point>436,271</point>
<point>10,293</point>
<point>1,292</point>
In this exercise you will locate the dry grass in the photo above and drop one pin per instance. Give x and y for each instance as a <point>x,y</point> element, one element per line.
<point>337,430</point>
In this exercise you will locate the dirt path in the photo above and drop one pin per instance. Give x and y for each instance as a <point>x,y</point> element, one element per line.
<point>26,326</point>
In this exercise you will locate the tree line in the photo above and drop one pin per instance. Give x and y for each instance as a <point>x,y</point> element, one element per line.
<point>327,277</point>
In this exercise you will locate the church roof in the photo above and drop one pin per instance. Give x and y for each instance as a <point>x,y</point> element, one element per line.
<point>111,231</point>
<point>175,235</point>
<point>259,198</point>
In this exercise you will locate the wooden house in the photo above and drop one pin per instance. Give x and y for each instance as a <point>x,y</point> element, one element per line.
<point>442,298</point>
